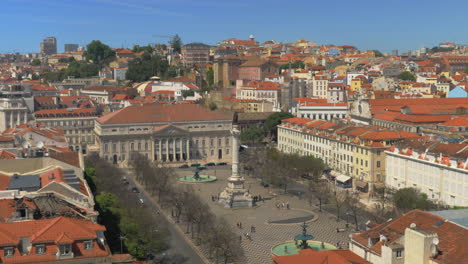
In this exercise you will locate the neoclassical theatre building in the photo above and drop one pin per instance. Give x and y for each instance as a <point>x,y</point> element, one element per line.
<point>177,134</point>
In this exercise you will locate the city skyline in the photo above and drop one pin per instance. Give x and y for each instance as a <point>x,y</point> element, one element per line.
<point>402,25</point>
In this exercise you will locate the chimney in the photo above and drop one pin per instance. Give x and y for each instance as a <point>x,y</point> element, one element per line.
<point>418,245</point>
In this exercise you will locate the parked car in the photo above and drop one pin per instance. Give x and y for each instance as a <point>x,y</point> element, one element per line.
<point>185,166</point>
<point>221,164</point>
<point>141,201</point>
<point>135,190</point>
<point>195,165</point>
<point>210,164</point>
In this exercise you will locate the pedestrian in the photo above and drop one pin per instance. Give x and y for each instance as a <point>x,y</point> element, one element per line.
<point>251,229</point>
<point>260,198</point>
<point>287,206</point>
<point>240,238</point>
<point>240,225</point>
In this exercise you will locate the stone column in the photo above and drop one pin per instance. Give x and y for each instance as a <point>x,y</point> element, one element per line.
<point>18,120</point>
<point>160,150</point>
<point>188,149</point>
<point>153,151</point>
<point>167,150</point>
<point>181,155</point>
<point>174,150</point>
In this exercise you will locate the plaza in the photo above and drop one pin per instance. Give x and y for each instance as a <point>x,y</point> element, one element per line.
<point>272,223</point>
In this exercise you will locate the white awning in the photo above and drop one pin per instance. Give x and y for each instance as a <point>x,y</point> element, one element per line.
<point>343,178</point>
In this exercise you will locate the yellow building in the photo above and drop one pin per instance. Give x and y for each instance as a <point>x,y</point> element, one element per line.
<point>352,151</point>
<point>356,85</point>
<point>341,70</point>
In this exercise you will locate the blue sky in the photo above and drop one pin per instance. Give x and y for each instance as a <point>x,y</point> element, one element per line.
<point>383,25</point>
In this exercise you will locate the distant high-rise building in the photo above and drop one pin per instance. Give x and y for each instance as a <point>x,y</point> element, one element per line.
<point>49,46</point>
<point>394,52</point>
<point>71,47</point>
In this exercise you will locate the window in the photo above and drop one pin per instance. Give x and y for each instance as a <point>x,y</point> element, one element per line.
<point>146,146</point>
<point>212,152</point>
<point>88,245</point>
<point>106,147</point>
<point>123,146</point>
<point>65,249</point>
<point>378,164</point>
<point>132,146</point>
<point>139,146</point>
<point>227,151</point>
<point>211,142</point>
<point>219,142</point>
<point>8,252</point>
<point>40,249</point>
<point>399,253</point>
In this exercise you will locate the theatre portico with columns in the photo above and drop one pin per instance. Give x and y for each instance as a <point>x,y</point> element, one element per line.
<point>173,134</point>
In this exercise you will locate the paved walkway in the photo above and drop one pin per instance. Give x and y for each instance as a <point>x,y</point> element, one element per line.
<point>258,251</point>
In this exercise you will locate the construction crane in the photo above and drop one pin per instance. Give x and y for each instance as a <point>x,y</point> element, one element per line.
<point>163,36</point>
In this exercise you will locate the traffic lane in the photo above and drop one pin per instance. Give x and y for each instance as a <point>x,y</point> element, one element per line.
<point>180,250</point>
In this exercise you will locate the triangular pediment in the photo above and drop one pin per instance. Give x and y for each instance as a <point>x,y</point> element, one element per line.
<point>169,130</point>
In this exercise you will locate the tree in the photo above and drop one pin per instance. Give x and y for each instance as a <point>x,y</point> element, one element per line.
<point>148,49</point>
<point>337,199</point>
<point>354,207</point>
<point>321,190</point>
<point>293,65</point>
<point>176,43</point>
<point>273,121</point>
<point>210,77</point>
<point>187,93</point>
<point>212,106</point>
<point>98,53</point>
<point>146,66</point>
<point>410,198</point>
<point>407,76</point>
<point>35,62</point>
<point>81,70</point>
<point>253,134</point>
<point>377,53</point>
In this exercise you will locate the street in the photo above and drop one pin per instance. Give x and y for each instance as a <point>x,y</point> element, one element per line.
<point>180,251</point>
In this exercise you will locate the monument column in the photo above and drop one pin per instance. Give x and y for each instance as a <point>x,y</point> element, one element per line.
<point>234,195</point>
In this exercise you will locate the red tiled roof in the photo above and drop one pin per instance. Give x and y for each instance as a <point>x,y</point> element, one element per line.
<point>192,86</point>
<point>60,229</point>
<point>452,238</point>
<point>182,79</point>
<point>297,120</point>
<point>64,113</point>
<point>107,88</point>
<point>71,158</point>
<point>155,113</point>
<point>6,155</point>
<point>456,122</point>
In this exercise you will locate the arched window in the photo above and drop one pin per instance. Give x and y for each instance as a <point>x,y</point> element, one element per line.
<point>132,146</point>
<point>146,146</point>
<point>139,146</point>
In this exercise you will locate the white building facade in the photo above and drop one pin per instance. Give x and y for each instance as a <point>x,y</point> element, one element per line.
<point>441,178</point>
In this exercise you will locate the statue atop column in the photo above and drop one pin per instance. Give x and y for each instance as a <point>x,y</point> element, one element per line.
<point>235,195</point>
